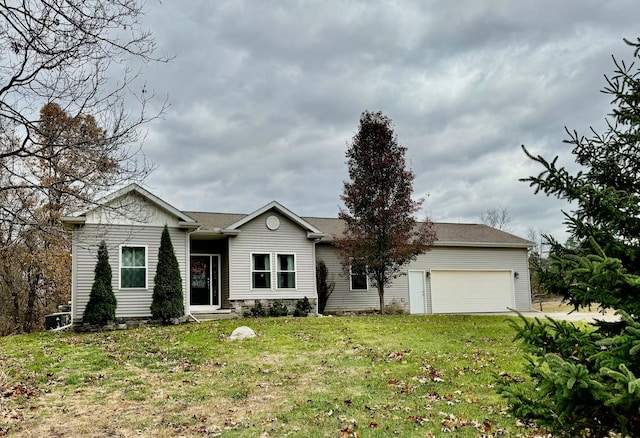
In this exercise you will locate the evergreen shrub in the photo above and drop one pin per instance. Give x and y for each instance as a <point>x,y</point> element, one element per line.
<point>168,302</point>
<point>278,308</point>
<point>303,307</point>
<point>102,304</point>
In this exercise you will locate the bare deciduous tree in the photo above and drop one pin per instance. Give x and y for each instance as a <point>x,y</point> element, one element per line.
<point>497,217</point>
<point>67,134</point>
<point>74,53</point>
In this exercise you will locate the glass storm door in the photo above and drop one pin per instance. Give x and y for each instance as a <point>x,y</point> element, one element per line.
<point>204,281</point>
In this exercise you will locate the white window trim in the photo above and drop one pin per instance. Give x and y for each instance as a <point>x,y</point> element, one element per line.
<point>270,270</point>
<point>295,270</point>
<point>366,279</point>
<point>146,267</point>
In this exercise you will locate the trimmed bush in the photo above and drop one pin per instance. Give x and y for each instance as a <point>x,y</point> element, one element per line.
<point>257,311</point>
<point>102,304</point>
<point>278,308</point>
<point>303,307</point>
<point>394,308</point>
<point>168,300</point>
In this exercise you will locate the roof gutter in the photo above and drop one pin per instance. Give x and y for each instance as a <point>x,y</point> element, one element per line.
<point>484,244</point>
<point>72,220</point>
<point>188,225</point>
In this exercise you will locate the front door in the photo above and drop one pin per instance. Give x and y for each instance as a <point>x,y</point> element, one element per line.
<point>204,281</point>
<point>417,302</point>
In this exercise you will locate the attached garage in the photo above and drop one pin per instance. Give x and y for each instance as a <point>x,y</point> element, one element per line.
<point>472,268</point>
<point>471,291</point>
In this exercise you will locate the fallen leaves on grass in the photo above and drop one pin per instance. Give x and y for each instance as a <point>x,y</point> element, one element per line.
<point>20,390</point>
<point>451,423</point>
<point>510,378</point>
<point>350,432</point>
<point>430,374</point>
<point>401,386</point>
<point>418,419</point>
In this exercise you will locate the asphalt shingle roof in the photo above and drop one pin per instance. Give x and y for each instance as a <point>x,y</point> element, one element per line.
<point>448,234</point>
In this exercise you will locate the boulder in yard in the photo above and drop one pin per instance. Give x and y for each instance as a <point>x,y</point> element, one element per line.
<point>243,332</point>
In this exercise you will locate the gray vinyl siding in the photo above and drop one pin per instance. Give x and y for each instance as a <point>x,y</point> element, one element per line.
<point>131,302</point>
<point>255,237</point>
<point>459,258</point>
<point>343,298</point>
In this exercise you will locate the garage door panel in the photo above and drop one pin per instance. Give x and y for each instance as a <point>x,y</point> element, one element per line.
<point>471,291</point>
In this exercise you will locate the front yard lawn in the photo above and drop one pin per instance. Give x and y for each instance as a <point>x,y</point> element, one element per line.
<point>368,376</point>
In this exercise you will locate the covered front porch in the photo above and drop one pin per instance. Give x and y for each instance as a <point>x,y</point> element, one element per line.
<point>208,277</point>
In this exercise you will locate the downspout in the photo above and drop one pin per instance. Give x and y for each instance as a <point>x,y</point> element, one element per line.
<point>315,272</point>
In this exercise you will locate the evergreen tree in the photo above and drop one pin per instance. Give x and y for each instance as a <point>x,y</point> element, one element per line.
<point>585,381</point>
<point>167,291</point>
<point>381,234</point>
<point>102,304</point>
<point>606,193</point>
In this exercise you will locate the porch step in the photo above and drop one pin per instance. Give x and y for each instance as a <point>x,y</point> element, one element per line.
<point>215,314</point>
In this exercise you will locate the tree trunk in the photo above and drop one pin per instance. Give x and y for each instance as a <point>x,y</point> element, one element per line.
<point>381,297</point>
<point>17,325</point>
<point>30,311</point>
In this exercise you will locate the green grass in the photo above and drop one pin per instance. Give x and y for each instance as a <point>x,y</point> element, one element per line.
<point>309,377</point>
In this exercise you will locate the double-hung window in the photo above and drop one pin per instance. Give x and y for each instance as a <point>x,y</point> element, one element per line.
<point>260,271</point>
<point>133,267</point>
<point>283,271</point>
<point>358,276</point>
<point>286,271</point>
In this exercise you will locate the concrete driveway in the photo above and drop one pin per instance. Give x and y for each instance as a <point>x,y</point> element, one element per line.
<point>574,316</point>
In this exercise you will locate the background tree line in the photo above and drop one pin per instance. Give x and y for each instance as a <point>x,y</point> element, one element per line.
<point>66,136</point>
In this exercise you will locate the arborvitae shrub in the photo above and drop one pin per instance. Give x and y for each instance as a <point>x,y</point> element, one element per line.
<point>167,300</point>
<point>102,304</point>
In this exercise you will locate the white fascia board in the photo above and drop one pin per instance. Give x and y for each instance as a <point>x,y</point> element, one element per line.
<point>280,208</point>
<point>133,187</point>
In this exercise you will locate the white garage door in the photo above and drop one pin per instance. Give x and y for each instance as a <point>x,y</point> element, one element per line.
<point>471,291</point>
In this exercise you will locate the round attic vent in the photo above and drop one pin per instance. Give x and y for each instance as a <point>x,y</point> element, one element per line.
<point>273,223</point>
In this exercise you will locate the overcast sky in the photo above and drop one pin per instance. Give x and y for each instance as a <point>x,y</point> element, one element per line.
<point>266,95</point>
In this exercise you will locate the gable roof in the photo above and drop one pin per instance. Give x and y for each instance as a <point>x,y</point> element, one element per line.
<point>273,205</point>
<point>226,223</point>
<point>185,220</point>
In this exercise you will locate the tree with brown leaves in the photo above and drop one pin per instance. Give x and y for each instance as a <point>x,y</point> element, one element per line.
<point>68,133</point>
<point>382,235</point>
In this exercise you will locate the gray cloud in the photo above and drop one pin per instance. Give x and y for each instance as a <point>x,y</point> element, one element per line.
<point>265,96</point>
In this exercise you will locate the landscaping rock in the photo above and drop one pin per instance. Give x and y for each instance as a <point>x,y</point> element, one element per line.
<point>243,332</point>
